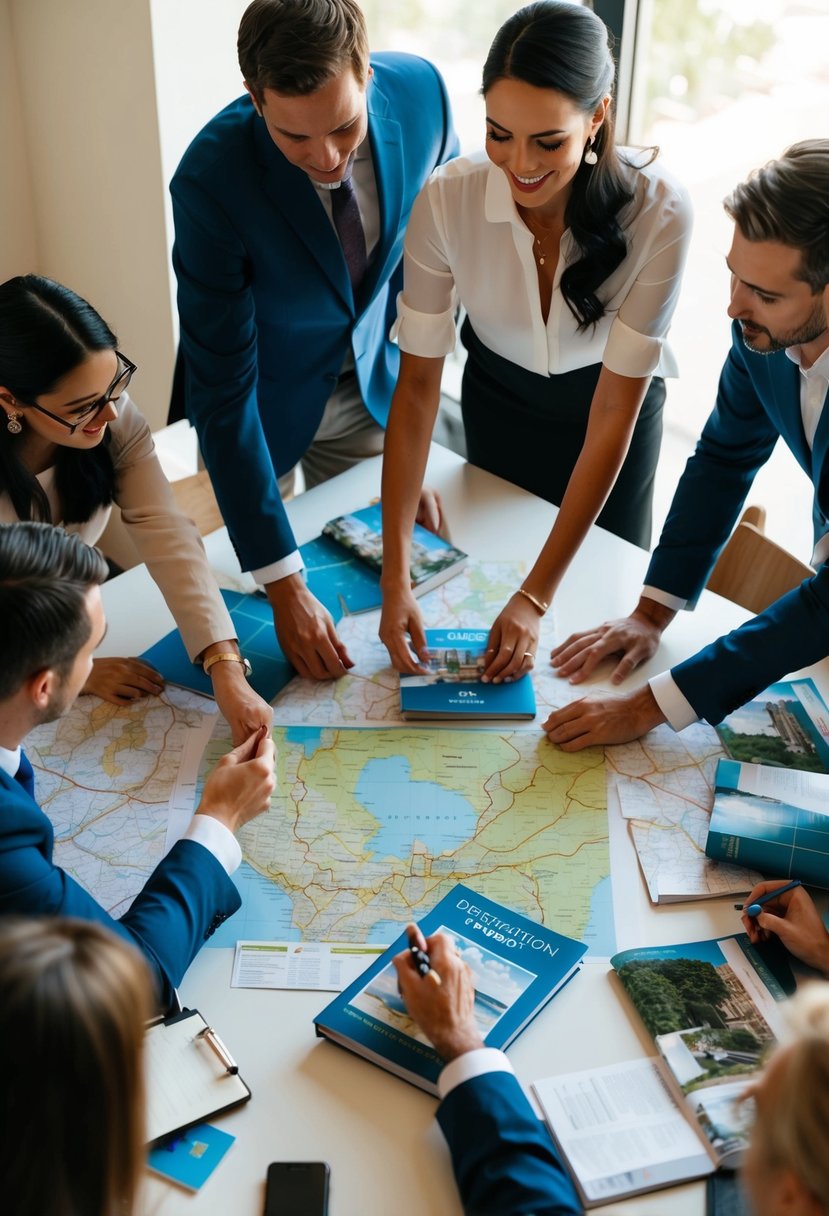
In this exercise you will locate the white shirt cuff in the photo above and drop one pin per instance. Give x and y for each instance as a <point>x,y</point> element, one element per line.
<point>430,335</point>
<point>291,564</point>
<point>206,830</point>
<point>665,598</point>
<point>471,1064</point>
<point>674,704</point>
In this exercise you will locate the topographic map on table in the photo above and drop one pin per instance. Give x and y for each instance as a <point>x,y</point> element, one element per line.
<point>116,782</point>
<point>370,827</point>
<point>371,692</point>
<point>665,783</point>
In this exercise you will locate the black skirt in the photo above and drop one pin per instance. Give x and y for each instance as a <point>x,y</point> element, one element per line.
<point>529,429</point>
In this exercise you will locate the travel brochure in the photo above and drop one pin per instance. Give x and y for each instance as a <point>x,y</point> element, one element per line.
<point>786,725</point>
<point>711,1008</point>
<point>518,966</point>
<point>433,560</point>
<point>775,820</point>
<point>452,687</point>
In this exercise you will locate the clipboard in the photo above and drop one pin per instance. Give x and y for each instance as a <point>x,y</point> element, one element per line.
<point>189,1076</point>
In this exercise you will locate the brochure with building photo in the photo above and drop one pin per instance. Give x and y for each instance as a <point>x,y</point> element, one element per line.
<point>712,1010</point>
<point>451,687</point>
<point>433,560</point>
<point>786,725</point>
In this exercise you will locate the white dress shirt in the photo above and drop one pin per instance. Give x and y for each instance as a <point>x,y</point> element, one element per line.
<point>467,242</point>
<point>365,191</point>
<point>471,1064</point>
<point>203,829</point>
<point>814,381</point>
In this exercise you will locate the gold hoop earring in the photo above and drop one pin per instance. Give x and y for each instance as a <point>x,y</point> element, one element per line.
<point>13,424</point>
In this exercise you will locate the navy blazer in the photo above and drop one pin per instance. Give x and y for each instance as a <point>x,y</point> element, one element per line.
<point>504,1159</point>
<point>184,901</point>
<point>264,296</point>
<point>758,401</point>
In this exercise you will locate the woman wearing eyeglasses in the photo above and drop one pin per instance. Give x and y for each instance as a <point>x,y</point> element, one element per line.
<point>73,444</point>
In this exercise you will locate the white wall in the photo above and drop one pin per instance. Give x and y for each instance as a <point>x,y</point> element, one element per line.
<point>87,95</point>
<point>196,75</point>
<point>17,225</point>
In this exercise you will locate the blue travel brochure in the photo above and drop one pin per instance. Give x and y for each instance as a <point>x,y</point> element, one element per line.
<point>252,618</point>
<point>786,725</point>
<point>190,1157</point>
<point>433,560</point>
<point>452,687</point>
<point>772,820</point>
<point>518,967</point>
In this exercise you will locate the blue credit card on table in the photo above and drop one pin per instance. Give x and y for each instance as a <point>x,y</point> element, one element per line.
<point>191,1156</point>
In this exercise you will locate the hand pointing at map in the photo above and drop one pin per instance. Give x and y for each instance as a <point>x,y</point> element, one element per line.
<point>241,784</point>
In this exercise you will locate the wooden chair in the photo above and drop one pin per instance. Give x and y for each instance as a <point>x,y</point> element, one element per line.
<point>752,570</point>
<point>195,498</point>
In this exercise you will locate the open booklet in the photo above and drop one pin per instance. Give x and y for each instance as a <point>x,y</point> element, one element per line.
<point>712,1010</point>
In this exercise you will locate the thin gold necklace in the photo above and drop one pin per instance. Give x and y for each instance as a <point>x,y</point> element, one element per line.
<point>538,241</point>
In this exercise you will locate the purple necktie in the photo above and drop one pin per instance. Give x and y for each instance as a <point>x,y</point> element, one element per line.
<point>349,226</point>
<point>25,774</point>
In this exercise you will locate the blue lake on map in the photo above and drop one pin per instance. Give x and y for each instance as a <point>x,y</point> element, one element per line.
<point>411,810</point>
<point>306,737</point>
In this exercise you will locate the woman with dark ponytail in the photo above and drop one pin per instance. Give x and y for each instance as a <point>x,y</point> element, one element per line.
<point>72,443</point>
<point>567,255</point>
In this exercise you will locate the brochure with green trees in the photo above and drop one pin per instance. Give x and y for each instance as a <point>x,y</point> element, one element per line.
<point>712,1010</point>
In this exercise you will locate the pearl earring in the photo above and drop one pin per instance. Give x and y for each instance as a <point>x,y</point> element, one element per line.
<point>590,157</point>
<point>13,425</point>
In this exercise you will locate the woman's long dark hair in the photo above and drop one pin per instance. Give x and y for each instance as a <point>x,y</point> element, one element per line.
<point>562,46</point>
<point>46,331</point>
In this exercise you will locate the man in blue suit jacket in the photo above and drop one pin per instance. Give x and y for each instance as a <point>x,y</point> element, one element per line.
<point>53,620</point>
<point>773,384</point>
<point>504,1159</point>
<point>290,208</point>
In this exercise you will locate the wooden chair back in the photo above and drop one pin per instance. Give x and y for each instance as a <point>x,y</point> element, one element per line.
<point>752,570</point>
<point>195,498</point>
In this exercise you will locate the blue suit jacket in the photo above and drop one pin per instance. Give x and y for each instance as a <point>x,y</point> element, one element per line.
<point>266,306</point>
<point>504,1159</point>
<point>185,899</point>
<point>758,401</point>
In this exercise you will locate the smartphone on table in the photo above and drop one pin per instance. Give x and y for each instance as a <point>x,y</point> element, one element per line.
<point>297,1188</point>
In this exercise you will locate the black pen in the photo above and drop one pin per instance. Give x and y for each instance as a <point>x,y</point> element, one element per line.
<point>419,956</point>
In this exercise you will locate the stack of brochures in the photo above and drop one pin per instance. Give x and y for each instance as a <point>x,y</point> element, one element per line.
<point>452,687</point>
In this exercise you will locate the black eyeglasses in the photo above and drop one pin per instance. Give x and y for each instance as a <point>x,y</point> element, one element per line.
<point>126,371</point>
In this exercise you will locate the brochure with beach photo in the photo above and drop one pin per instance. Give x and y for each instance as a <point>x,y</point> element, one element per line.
<point>433,559</point>
<point>451,686</point>
<point>712,1010</point>
<point>785,726</point>
<point>518,967</point>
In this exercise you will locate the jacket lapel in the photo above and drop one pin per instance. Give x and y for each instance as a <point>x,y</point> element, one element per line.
<point>387,155</point>
<point>291,192</point>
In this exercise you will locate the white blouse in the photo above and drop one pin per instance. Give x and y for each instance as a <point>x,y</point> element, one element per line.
<point>466,242</point>
<point>167,542</point>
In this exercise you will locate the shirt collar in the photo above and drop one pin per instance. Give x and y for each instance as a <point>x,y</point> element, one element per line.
<point>10,761</point>
<point>820,367</point>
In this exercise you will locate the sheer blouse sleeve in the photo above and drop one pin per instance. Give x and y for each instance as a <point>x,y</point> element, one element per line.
<point>637,336</point>
<point>426,306</point>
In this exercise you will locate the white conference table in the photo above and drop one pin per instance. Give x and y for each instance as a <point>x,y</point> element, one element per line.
<point>315,1101</point>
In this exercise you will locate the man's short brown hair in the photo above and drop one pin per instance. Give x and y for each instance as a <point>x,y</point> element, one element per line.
<point>788,201</point>
<point>296,46</point>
